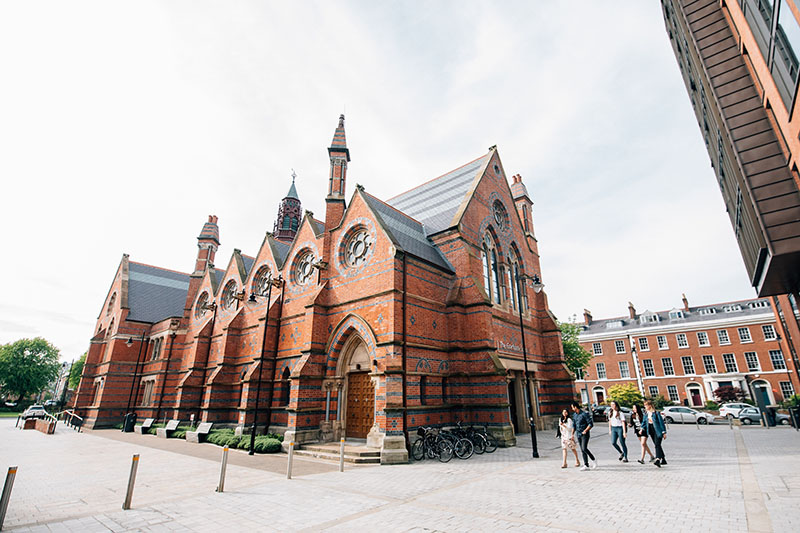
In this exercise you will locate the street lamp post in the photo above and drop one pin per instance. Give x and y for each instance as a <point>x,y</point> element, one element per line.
<point>537,288</point>
<point>272,282</point>
<point>129,343</point>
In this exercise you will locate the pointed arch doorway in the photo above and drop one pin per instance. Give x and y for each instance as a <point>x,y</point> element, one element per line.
<point>359,408</point>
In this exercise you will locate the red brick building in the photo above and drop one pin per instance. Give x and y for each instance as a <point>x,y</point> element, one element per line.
<point>685,353</point>
<point>386,316</point>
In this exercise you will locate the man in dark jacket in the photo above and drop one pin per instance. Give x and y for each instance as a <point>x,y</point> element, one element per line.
<point>583,424</point>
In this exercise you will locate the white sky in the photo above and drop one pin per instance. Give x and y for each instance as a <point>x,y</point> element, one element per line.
<point>123,125</point>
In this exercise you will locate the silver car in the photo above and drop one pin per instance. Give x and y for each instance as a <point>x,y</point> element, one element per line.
<point>685,415</point>
<point>731,409</point>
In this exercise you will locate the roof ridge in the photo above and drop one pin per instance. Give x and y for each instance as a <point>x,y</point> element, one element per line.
<point>157,267</point>
<point>437,177</point>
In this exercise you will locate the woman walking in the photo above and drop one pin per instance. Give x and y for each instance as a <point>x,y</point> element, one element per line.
<point>655,428</point>
<point>566,430</point>
<point>637,422</point>
<point>618,430</point>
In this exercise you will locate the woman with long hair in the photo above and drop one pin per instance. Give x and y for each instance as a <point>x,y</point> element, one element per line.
<point>566,430</point>
<point>618,429</point>
<point>637,421</point>
<point>655,428</point>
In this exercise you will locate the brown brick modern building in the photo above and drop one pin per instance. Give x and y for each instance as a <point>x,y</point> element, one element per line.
<point>387,316</point>
<point>685,353</point>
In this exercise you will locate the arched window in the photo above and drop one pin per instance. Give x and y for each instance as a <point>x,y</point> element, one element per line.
<point>516,286</point>
<point>491,270</point>
<point>525,217</point>
<point>110,328</point>
<point>261,281</point>
<point>111,303</point>
<point>294,224</point>
<point>444,390</point>
<point>229,295</point>
<point>287,221</point>
<point>286,387</point>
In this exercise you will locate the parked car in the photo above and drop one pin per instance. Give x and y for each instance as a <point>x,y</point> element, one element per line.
<point>731,409</point>
<point>34,411</point>
<point>685,415</point>
<point>600,413</point>
<point>752,415</point>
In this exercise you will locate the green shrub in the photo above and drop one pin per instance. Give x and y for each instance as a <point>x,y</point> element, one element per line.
<point>266,444</point>
<point>244,443</point>
<point>279,437</point>
<point>154,427</point>
<point>180,433</point>
<point>711,405</point>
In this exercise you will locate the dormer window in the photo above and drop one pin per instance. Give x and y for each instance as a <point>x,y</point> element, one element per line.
<point>614,324</point>
<point>731,308</point>
<point>649,318</point>
<point>707,311</point>
<point>759,304</point>
<point>674,315</point>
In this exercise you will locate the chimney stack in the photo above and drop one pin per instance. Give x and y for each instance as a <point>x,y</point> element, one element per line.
<point>685,302</point>
<point>631,311</point>
<point>587,317</point>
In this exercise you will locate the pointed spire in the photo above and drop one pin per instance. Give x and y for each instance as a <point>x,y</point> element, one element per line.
<point>339,142</point>
<point>292,190</point>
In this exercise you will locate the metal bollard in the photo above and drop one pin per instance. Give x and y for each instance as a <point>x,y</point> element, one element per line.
<point>730,422</point>
<point>289,462</point>
<point>697,422</point>
<point>221,485</point>
<point>12,473</point>
<point>341,456</point>
<point>131,481</point>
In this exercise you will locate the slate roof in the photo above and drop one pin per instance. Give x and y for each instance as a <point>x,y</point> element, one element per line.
<point>407,233</point>
<point>436,202</point>
<point>691,317</point>
<point>317,226</point>
<point>281,250</point>
<point>155,293</point>
<point>292,192</point>
<point>248,263</point>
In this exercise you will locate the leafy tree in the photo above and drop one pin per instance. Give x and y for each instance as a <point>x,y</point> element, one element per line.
<point>76,371</point>
<point>626,395</point>
<point>659,402</point>
<point>575,355</point>
<point>728,393</point>
<point>27,366</point>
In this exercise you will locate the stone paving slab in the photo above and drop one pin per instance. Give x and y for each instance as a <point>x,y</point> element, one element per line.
<point>76,482</point>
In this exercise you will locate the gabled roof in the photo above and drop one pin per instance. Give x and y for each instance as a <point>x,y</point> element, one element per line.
<point>279,251</point>
<point>408,234</point>
<point>436,202</point>
<point>247,261</point>
<point>155,293</point>
<point>317,226</point>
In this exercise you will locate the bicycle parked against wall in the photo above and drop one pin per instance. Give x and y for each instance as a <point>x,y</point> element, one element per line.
<point>431,445</point>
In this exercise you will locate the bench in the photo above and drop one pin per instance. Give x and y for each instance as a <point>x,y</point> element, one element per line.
<point>200,434</point>
<point>172,425</point>
<point>141,430</point>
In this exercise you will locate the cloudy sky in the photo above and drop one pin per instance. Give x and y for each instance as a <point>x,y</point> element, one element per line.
<point>123,125</point>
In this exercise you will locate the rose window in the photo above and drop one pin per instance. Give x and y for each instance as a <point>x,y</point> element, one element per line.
<point>229,295</point>
<point>304,270</point>
<point>357,247</point>
<point>262,280</point>
<point>200,307</point>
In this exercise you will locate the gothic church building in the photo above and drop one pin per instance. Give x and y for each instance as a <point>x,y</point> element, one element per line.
<point>386,316</point>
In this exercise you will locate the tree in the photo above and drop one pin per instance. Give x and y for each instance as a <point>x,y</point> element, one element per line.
<point>659,402</point>
<point>76,371</point>
<point>575,356</point>
<point>727,393</point>
<point>27,366</point>
<point>626,395</point>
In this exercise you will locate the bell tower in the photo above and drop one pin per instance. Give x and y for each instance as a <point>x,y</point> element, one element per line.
<point>339,156</point>
<point>289,215</point>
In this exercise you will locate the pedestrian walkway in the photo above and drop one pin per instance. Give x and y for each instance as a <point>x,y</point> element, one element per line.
<point>76,482</point>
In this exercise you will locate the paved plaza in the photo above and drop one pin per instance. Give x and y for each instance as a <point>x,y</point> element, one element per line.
<point>717,479</point>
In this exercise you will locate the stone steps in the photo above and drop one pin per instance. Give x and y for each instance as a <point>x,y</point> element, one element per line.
<point>354,454</point>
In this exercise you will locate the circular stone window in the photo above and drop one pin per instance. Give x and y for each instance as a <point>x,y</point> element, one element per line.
<point>304,270</point>
<point>200,306</point>
<point>500,215</point>
<point>261,281</point>
<point>228,295</point>
<point>357,247</point>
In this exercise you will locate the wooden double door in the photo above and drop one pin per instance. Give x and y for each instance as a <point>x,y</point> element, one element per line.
<point>360,405</point>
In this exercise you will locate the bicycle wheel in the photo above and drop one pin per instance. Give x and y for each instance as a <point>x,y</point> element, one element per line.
<point>464,448</point>
<point>478,443</point>
<point>491,442</point>
<point>431,447</point>
<point>417,450</point>
<point>445,450</point>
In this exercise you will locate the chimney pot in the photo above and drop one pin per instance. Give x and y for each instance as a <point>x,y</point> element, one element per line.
<point>631,310</point>
<point>685,302</point>
<point>587,317</point>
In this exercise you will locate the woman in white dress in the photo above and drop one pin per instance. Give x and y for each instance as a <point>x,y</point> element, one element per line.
<point>566,430</point>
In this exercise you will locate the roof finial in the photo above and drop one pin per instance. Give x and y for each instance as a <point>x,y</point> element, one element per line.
<point>341,120</point>
<point>293,176</point>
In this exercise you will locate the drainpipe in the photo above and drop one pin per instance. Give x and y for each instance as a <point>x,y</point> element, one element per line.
<point>166,373</point>
<point>635,355</point>
<point>274,359</point>
<point>403,352</point>
<point>208,354</point>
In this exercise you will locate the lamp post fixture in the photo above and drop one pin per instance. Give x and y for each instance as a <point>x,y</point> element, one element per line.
<point>272,283</point>
<point>129,343</point>
<point>537,288</point>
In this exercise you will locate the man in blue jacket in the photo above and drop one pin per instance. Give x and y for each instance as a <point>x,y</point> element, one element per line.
<point>583,424</point>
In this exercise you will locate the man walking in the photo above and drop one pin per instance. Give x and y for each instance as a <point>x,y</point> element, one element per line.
<point>583,424</point>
